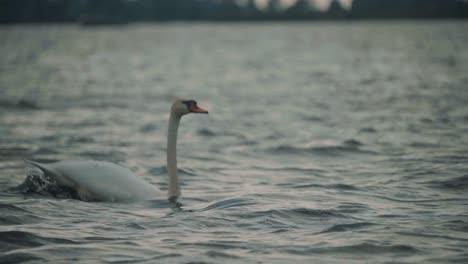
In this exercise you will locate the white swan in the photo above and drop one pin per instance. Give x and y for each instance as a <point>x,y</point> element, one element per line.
<point>104,181</point>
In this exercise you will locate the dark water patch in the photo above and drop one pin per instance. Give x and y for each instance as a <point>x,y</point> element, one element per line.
<point>149,128</point>
<point>326,150</point>
<point>16,151</point>
<point>353,143</point>
<point>461,258</point>
<point>339,186</point>
<point>22,104</point>
<point>368,130</point>
<point>11,208</point>
<point>11,240</point>
<point>424,235</point>
<point>417,201</point>
<point>313,213</point>
<point>45,151</point>
<point>14,215</point>
<point>98,103</point>
<point>368,81</point>
<point>297,213</point>
<point>206,132</point>
<point>351,208</point>
<point>14,258</point>
<point>220,254</point>
<point>347,147</point>
<point>228,203</point>
<point>134,225</point>
<point>302,170</point>
<point>187,172</point>
<point>347,227</point>
<point>458,183</point>
<point>423,145</point>
<point>161,170</point>
<point>166,256</point>
<point>426,120</point>
<point>99,238</point>
<point>79,140</point>
<point>89,123</point>
<point>212,132</point>
<point>114,156</point>
<point>217,244</point>
<point>391,216</point>
<point>457,225</point>
<point>362,248</point>
<point>449,61</point>
<point>450,159</point>
<point>313,118</point>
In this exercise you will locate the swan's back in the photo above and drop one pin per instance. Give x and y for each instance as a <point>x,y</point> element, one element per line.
<point>99,181</point>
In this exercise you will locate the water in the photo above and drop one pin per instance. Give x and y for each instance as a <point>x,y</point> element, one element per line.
<point>325,143</point>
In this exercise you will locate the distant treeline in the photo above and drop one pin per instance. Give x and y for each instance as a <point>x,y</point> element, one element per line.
<point>123,11</point>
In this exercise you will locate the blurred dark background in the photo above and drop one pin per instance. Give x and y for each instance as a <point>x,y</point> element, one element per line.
<point>91,12</point>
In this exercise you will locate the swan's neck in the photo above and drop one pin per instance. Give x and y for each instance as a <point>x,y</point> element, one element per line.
<point>174,189</point>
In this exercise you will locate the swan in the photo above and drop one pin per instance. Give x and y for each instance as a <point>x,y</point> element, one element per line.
<point>109,182</point>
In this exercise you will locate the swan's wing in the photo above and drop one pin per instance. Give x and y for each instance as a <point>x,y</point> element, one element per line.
<point>50,171</point>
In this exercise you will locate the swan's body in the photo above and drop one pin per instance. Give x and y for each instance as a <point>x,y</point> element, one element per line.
<point>104,181</point>
<point>99,181</point>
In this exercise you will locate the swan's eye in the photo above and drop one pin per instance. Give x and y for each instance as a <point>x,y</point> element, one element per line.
<point>189,103</point>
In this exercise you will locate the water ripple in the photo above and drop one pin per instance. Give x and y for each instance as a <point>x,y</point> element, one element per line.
<point>348,147</point>
<point>347,227</point>
<point>11,240</point>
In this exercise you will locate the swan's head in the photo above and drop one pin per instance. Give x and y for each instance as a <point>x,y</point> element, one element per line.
<point>182,107</point>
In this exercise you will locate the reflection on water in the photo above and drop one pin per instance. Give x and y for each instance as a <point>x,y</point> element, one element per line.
<point>325,142</point>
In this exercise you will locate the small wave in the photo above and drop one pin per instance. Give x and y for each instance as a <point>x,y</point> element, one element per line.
<point>307,212</point>
<point>432,235</point>
<point>209,132</point>
<point>347,227</point>
<point>339,186</point>
<point>362,248</point>
<point>11,208</point>
<point>19,258</point>
<point>313,118</point>
<point>217,244</point>
<point>312,171</point>
<point>420,144</point>
<point>348,146</point>
<point>368,130</point>
<point>457,225</point>
<point>160,170</point>
<point>11,240</point>
<point>458,183</point>
<point>135,226</point>
<point>79,140</point>
<point>296,213</point>
<point>219,254</point>
<point>206,132</point>
<point>351,208</point>
<point>22,104</point>
<point>12,151</point>
<point>149,128</point>
<point>186,172</point>
<point>368,81</point>
<point>228,203</point>
<point>14,215</point>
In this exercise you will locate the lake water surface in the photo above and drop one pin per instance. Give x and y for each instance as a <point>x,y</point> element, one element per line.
<point>325,143</point>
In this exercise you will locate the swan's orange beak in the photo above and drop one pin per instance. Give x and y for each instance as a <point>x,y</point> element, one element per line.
<point>195,109</point>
